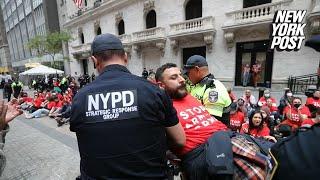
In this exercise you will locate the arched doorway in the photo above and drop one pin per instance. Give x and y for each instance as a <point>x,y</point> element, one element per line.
<point>151,19</point>
<point>193,9</point>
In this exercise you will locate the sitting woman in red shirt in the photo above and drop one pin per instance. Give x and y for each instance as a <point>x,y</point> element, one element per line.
<point>256,127</point>
<point>236,117</point>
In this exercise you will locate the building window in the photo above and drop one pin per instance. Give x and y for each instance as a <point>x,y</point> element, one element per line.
<point>98,31</point>
<point>193,9</point>
<point>81,38</point>
<point>151,19</point>
<point>121,29</point>
<point>250,3</point>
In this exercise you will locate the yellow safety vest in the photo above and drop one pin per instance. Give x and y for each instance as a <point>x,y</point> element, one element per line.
<point>213,96</point>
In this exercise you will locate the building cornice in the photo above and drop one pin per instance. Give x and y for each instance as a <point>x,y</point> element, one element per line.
<point>94,13</point>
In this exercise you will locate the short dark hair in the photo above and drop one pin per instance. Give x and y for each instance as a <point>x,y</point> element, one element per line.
<point>108,54</point>
<point>161,69</point>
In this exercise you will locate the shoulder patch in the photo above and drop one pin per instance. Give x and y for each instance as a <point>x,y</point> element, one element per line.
<point>213,96</point>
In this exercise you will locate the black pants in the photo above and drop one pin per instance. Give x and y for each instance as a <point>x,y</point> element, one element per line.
<point>195,166</point>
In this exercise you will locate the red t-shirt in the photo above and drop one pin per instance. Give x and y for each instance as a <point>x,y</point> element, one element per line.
<point>51,104</point>
<point>37,102</point>
<point>60,97</point>
<point>308,122</point>
<point>59,104</point>
<point>295,119</point>
<point>27,99</point>
<point>197,123</point>
<point>255,132</point>
<point>312,101</point>
<point>263,101</point>
<point>236,120</point>
<point>272,108</point>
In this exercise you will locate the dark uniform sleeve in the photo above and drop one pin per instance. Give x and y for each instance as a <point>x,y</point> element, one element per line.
<point>76,114</point>
<point>171,117</point>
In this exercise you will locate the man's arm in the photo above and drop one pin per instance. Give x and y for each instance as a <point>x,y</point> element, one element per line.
<point>176,135</point>
<point>171,122</point>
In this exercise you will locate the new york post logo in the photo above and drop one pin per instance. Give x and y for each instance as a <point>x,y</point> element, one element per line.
<point>287,30</point>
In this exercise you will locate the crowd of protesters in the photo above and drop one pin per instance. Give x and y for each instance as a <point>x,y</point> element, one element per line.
<point>259,117</point>
<point>52,95</point>
<point>262,117</point>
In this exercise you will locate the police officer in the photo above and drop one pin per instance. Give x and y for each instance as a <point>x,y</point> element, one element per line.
<point>16,88</point>
<point>121,120</point>
<point>210,91</point>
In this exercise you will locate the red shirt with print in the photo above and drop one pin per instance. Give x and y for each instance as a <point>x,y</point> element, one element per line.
<point>197,123</point>
<point>295,118</point>
<point>236,120</point>
<point>255,132</point>
<point>312,101</point>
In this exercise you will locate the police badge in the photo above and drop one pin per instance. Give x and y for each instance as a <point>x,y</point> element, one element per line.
<point>213,96</point>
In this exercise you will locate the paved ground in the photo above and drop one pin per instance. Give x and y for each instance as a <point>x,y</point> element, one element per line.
<point>37,149</point>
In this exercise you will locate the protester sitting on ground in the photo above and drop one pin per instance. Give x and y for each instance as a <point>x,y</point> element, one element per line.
<point>273,109</point>
<point>268,118</point>
<point>37,102</point>
<point>25,101</point>
<point>313,102</point>
<point>285,100</point>
<point>231,95</point>
<point>263,100</point>
<point>249,100</point>
<point>236,117</point>
<point>241,107</point>
<point>58,103</point>
<point>312,121</point>
<point>209,149</point>
<point>64,113</point>
<point>295,114</point>
<point>47,106</point>
<point>256,127</point>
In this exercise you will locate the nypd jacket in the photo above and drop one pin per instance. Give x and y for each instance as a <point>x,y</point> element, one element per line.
<point>120,121</point>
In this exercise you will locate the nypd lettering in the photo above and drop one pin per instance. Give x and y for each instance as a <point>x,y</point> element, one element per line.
<point>112,105</point>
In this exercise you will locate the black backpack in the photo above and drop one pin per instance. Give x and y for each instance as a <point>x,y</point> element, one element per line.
<point>298,156</point>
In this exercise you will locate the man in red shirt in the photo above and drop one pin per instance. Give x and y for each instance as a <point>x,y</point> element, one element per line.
<point>295,114</point>
<point>313,102</point>
<point>236,118</point>
<point>197,123</point>
<point>263,100</point>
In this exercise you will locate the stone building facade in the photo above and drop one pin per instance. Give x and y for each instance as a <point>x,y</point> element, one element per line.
<point>24,19</point>
<point>230,34</point>
<point>5,63</point>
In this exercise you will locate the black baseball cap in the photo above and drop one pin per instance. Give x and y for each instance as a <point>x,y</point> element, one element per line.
<point>196,60</point>
<point>105,42</point>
